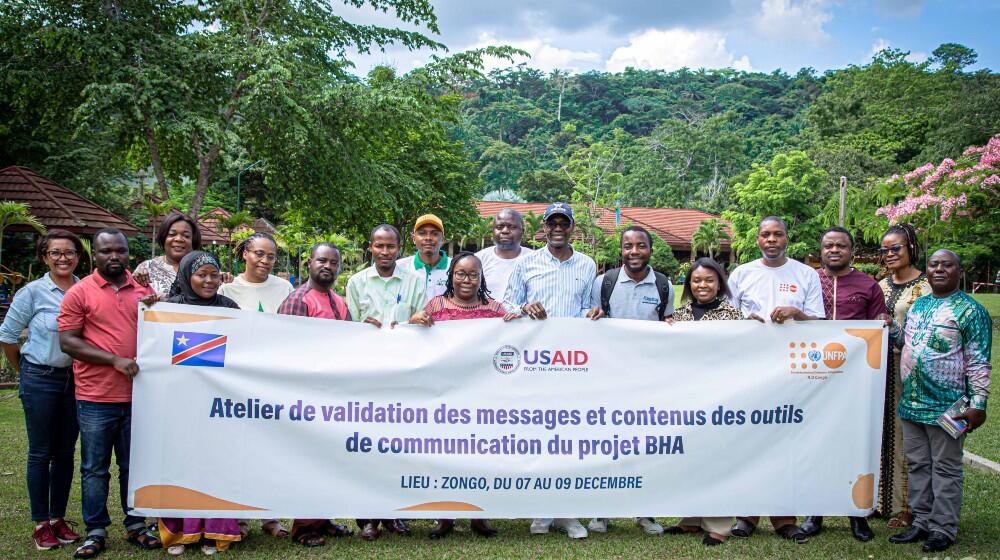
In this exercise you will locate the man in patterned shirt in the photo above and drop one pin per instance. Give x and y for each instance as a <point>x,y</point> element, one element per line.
<point>947,340</point>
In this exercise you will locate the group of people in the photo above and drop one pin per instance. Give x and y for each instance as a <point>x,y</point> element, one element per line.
<point>78,362</point>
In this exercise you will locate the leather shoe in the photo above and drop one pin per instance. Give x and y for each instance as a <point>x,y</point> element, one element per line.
<point>482,528</point>
<point>370,531</point>
<point>911,535</point>
<point>396,526</point>
<point>860,529</point>
<point>937,542</point>
<point>792,532</point>
<point>336,530</point>
<point>742,529</point>
<point>442,529</point>
<point>812,525</point>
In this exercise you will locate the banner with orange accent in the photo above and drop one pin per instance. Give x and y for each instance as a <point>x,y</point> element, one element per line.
<point>246,414</point>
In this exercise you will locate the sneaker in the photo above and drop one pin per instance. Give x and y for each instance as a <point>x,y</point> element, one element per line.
<point>571,527</point>
<point>44,538</point>
<point>649,525</point>
<point>598,525</point>
<point>540,526</point>
<point>61,529</point>
<point>208,549</point>
<point>175,550</point>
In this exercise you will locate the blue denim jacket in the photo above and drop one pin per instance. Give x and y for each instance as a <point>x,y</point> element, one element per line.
<point>36,307</point>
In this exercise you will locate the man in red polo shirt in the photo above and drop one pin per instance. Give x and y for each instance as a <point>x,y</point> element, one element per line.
<point>316,298</point>
<point>97,327</point>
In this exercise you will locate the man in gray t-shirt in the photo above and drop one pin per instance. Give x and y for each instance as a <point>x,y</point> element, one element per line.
<point>634,296</point>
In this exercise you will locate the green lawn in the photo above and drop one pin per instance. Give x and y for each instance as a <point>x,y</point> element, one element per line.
<point>986,440</point>
<point>977,538</point>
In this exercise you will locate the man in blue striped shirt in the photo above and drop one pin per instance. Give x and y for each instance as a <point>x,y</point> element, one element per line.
<point>553,282</point>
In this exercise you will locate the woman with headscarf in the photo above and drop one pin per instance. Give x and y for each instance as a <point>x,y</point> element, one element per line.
<point>465,297</point>
<point>198,280</point>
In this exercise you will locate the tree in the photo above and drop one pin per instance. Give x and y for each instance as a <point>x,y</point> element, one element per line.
<point>532,225</point>
<point>784,187</point>
<point>953,57</point>
<point>154,211</point>
<point>708,237</point>
<point>16,214</point>
<point>176,83</point>
<point>544,185</point>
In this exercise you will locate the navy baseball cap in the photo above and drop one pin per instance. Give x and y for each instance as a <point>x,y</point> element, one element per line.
<point>559,208</point>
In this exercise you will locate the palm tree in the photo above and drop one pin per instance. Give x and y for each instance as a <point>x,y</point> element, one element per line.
<point>231,223</point>
<point>708,237</point>
<point>532,225</point>
<point>16,214</point>
<point>154,210</point>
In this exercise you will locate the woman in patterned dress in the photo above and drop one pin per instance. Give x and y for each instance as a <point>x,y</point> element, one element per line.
<point>904,284</point>
<point>178,235</point>
<point>706,297</point>
<point>465,297</point>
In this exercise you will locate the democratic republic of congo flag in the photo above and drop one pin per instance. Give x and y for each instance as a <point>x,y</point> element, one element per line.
<point>199,349</point>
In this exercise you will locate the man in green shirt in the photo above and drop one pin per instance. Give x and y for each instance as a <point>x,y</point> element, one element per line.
<point>384,294</point>
<point>947,338</point>
<point>430,263</point>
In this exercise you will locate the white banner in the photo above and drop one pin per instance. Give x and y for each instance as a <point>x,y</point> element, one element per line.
<point>244,414</point>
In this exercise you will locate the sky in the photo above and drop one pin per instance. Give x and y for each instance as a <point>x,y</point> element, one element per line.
<point>752,35</point>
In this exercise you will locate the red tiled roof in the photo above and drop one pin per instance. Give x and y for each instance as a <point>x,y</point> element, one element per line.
<point>56,206</point>
<point>675,226</point>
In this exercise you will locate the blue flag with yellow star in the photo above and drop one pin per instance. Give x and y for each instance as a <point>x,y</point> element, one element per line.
<point>199,349</point>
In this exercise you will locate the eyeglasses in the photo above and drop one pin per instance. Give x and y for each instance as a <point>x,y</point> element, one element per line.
<point>895,249</point>
<point>56,255</point>
<point>261,255</point>
<point>461,275</point>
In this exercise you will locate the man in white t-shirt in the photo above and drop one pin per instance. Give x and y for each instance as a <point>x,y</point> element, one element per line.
<point>498,261</point>
<point>775,289</point>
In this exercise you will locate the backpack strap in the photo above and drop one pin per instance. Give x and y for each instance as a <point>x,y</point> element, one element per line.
<point>663,288</point>
<point>608,286</point>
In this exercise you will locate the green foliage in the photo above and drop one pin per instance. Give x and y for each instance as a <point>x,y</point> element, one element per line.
<point>708,238</point>
<point>784,187</point>
<point>17,214</point>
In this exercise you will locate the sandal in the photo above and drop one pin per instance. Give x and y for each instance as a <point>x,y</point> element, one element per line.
<point>275,529</point>
<point>144,539</point>
<point>310,539</point>
<point>901,520</point>
<point>91,548</point>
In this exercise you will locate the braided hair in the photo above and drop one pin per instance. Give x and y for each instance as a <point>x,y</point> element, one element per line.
<point>244,245</point>
<point>907,231</point>
<point>449,286</point>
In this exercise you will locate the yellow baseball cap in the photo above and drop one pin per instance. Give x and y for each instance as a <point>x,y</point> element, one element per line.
<point>429,219</point>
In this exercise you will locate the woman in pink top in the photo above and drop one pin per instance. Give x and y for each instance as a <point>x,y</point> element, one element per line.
<point>465,297</point>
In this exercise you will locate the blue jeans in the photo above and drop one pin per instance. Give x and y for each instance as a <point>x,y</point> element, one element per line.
<point>47,396</point>
<point>104,427</point>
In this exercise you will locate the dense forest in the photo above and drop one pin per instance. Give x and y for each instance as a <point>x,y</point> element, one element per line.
<point>207,105</point>
<point>683,138</point>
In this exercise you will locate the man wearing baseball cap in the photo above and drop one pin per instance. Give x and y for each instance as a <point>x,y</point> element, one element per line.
<point>430,263</point>
<point>553,282</point>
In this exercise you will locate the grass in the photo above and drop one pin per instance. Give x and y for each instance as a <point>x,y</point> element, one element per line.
<point>986,440</point>
<point>978,530</point>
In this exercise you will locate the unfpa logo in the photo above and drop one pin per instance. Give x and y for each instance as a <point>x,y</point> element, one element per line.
<point>782,287</point>
<point>807,357</point>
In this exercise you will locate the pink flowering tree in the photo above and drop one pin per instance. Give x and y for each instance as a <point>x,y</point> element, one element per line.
<point>953,204</point>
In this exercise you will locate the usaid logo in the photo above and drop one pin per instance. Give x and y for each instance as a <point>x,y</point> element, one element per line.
<point>506,360</point>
